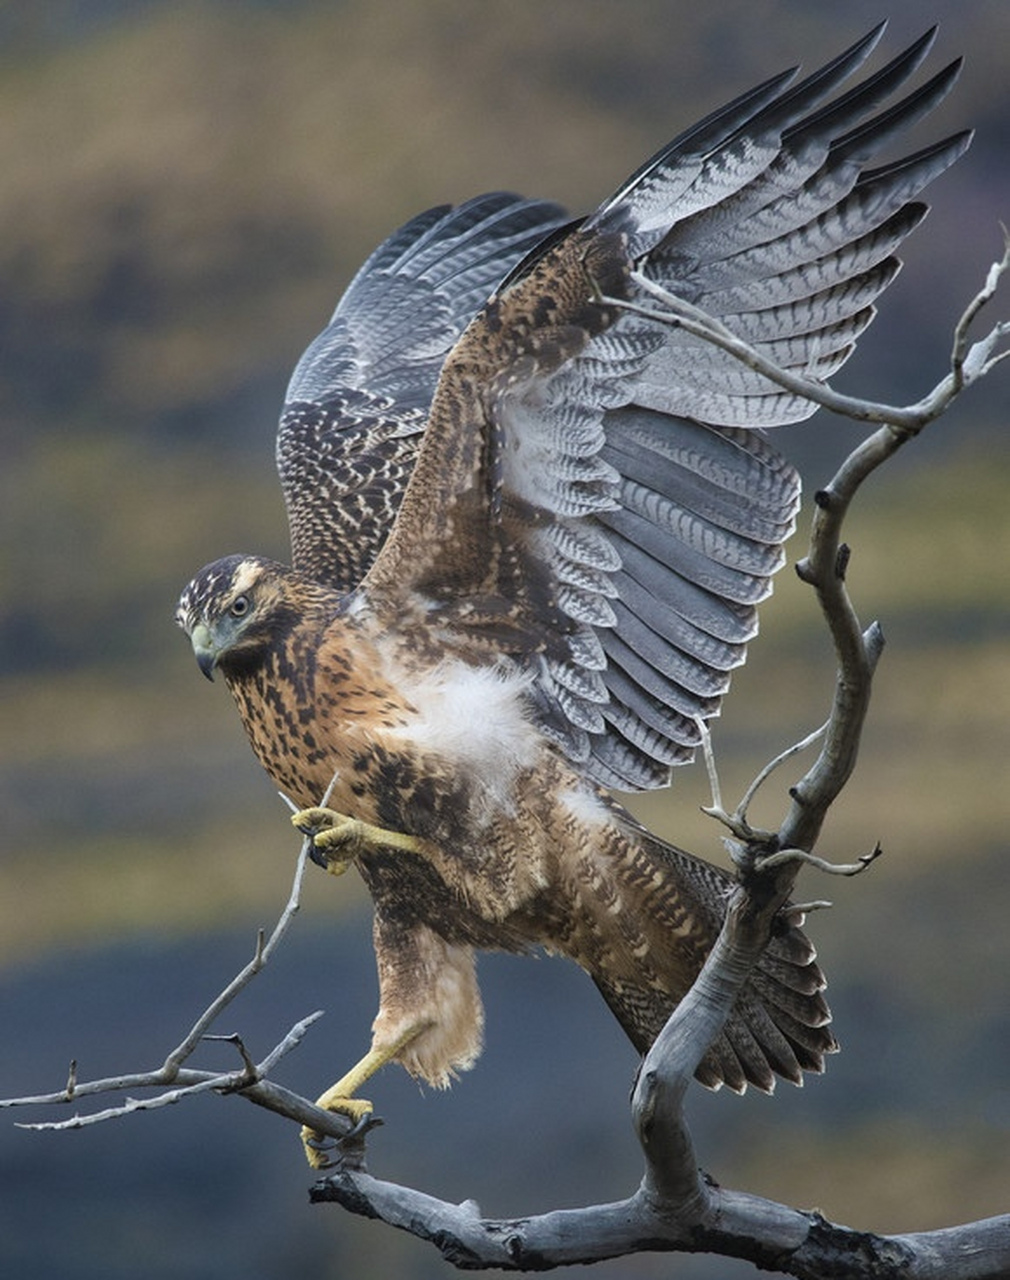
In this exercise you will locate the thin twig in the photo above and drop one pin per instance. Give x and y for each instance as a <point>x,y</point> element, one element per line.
<point>969,363</point>
<point>765,773</point>
<point>804,858</point>
<point>262,955</point>
<point>187,1081</point>
<point>960,350</point>
<point>738,822</point>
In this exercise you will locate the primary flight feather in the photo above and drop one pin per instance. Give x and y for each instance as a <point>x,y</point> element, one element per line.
<point>530,530</point>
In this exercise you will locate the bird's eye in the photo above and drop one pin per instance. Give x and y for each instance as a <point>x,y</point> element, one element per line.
<point>240,607</point>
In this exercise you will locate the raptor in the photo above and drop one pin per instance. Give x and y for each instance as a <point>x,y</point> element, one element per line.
<point>530,529</point>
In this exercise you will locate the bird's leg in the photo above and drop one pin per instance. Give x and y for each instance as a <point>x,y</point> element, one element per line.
<point>338,1096</point>
<point>338,839</point>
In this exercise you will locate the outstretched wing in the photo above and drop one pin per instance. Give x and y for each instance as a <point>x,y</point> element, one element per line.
<point>358,400</point>
<point>591,498</point>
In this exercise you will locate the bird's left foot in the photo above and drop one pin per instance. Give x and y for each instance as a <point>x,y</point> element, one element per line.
<point>338,839</point>
<point>316,1146</point>
<point>340,1097</point>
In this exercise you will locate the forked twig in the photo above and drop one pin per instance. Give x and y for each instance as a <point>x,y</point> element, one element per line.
<point>969,361</point>
<point>251,1080</point>
<point>737,822</point>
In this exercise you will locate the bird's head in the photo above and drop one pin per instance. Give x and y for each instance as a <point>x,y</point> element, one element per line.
<point>232,611</point>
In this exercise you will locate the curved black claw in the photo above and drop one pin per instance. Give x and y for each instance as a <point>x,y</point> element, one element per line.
<point>346,1153</point>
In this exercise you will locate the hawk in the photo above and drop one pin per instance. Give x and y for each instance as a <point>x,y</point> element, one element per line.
<point>530,529</point>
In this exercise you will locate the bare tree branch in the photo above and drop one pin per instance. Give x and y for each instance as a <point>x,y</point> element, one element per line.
<point>773,1236</point>
<point>969,361</point>
<point>676,1207</point>
<point>186,1082</point>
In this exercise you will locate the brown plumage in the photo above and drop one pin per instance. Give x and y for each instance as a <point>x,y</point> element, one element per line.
<point>530,530</point>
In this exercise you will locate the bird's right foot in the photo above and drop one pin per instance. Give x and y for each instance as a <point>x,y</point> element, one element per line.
<point>337,839</point>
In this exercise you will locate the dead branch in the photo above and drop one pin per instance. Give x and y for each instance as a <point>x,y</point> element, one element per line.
<point>970,361</point>
<point>179,1083</point>
<point>676,1207</point>
<point>773,1236</point>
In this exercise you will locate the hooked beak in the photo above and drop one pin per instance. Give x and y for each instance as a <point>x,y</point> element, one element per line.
<point>205,649</point>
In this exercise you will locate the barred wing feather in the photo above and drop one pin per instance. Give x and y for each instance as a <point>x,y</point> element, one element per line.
<point>358,400</point>
<point>594,498</point>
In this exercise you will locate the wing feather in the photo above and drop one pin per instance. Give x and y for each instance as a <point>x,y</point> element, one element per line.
<point>358,400</point>
<point>592,500</point>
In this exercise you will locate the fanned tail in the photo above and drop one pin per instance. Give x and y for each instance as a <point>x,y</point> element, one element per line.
<point>673,906</point>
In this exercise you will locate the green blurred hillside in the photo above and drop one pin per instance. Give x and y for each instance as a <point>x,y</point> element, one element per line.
<point>186,189</point>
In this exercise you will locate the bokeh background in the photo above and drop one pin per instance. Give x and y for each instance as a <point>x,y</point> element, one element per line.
<point>185,189</point>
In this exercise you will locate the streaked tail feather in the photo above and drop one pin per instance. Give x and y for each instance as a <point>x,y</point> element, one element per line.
<point>781,1023</point>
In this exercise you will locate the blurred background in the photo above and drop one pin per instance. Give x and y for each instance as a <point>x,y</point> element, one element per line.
<point>186,188</point>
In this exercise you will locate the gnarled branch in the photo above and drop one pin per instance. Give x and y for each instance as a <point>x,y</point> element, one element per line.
<point>676,1207</point>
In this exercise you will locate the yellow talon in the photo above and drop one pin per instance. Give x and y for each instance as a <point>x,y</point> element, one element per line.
<point>338,1096</point>
<point>315,1144</point>
<point>338,839</point>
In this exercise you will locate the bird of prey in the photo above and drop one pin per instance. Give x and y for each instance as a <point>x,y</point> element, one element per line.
<point>530,528</point>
